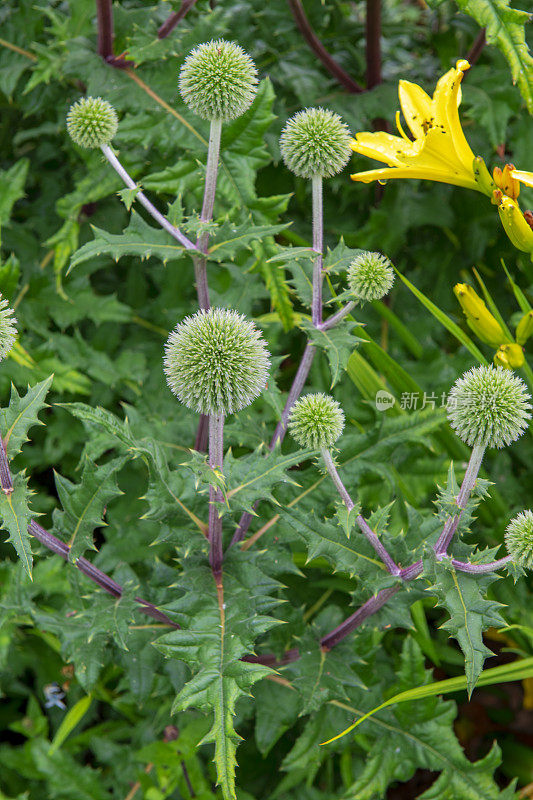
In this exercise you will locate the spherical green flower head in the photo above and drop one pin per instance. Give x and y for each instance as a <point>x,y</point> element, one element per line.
<point>316,421</point>
<point>216,362</point>
<point>218,80</point>
<point>315,142</point>
<point>92,122</point>
<point>519,539</point>
<point>489,406</point>
<point>370,276</point>
<point>8,332</point>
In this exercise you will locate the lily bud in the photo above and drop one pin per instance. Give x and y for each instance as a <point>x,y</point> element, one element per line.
<point>510,356</point>
<point>479,319</point>
<point>514,222</point>
<point>483,176</point>
<point>524,329</point>
<point>504,180</point>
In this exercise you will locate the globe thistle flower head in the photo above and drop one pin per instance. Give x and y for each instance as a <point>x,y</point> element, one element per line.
<point>489,406</point>
<point>92,122</point>
<point>8,332</point>
<point>216,361</point>
<point>370,276</point>
<point>218,80</point>
<point>315,142</point>
<point>519,539</point>
<point>316,421</point>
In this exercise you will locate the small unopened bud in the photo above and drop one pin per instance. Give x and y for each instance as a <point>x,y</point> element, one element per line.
<point>489,406</point>
<point>479,319</point>
<point>218,81</point>
<point>509,356</point>
<point>316,421</point>
<point>505,181</point>
<point>519,539</point>
<point>370,276</point>
<point>92,122</point>
<point>315,143</point>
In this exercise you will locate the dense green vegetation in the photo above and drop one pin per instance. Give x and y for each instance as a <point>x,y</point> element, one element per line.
<point>104,696</point>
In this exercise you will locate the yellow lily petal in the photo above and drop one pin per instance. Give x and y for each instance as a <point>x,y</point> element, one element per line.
<point>417,107</point>
<point>391,173</point>
<point>524,177</point>
<point>382,147</point>
<point>446,100</point>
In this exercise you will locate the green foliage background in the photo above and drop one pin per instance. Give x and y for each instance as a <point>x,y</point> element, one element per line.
<point>97,289</point>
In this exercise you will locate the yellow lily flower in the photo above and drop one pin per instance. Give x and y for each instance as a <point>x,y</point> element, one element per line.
<point>439,150</point>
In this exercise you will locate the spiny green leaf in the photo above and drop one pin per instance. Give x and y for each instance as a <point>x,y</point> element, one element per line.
<point>338,344</point>
<point>12,187</point>
<point>16,516</point>
<point>505,27</point>
<point>464,598</point>
<point>21,414</point>
<point>219,627</point>
<point>83,503</point>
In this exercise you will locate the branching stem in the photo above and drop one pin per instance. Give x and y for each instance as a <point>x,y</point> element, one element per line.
<point>364,527</point>
<point>143,200</point>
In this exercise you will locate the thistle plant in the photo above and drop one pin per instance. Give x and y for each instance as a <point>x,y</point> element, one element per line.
<point>216,362</point>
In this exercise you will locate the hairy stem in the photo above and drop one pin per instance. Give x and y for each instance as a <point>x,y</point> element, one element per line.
<point>318,247</point>
<point>364,527</point>
<point>216,460</point>
<point>169,24</point>
<point>92,572</point>
<point>481,569</point>
<point>319,50</point>
<point>352,622</point>
<point>465,491</point>
<point>211,172</point>
<point>330,322</point>
<point>6,481</point>
<point>143,200</point>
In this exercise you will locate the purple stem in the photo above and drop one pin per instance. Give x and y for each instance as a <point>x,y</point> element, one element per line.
<point>169,25</point>
<point>481,569</point>
<point>364,527</point>
<point>330,322</point>
<point>469,480</point>
<point>92,572</point>
<point>366,610</point>
<point>319,50</point>
<point>104,20</point>
<point>6,481</point>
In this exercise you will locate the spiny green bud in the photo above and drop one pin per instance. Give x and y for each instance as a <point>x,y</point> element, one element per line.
<point>316,421</point>
<point>315,143</point>
<point>218,80</point>
<point>8,332</point>
<point>216,361</point>
<point>519,539</point>
<point>370,276</point>
<point>489,406</point>
<point>92,122</point>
